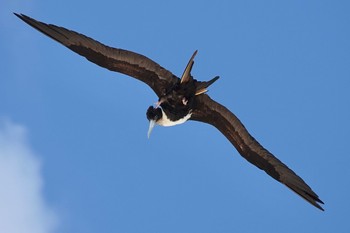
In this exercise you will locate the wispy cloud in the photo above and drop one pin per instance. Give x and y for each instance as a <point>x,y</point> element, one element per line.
<point>22,205</point>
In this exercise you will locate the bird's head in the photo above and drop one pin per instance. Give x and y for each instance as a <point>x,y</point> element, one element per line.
<point>153,115</point>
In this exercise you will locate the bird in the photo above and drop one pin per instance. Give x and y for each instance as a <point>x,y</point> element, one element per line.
<point>179,100</point>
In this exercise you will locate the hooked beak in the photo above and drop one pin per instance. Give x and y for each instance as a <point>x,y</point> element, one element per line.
<point>152,123</point>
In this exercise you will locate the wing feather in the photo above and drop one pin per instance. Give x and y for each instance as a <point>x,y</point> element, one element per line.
<point>114,59</point>
<point>211,112</point>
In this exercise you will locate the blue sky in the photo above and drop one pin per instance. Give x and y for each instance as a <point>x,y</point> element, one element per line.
<point>73,136</point>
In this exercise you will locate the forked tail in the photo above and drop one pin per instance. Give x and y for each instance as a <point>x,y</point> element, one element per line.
<point>202,86</point>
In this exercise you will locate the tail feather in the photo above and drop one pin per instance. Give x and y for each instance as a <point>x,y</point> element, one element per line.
<point>202,86</point>
<point>186,76</point>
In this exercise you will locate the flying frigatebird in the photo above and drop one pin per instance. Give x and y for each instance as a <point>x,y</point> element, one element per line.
<point>180,99</point>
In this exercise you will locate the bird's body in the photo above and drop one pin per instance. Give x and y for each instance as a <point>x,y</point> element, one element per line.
<point>177,104</point>
<point>166,121</point>
<point>179,100</point>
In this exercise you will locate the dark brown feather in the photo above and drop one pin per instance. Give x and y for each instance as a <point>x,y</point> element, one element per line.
<point>186,76</point>
<point>119,60</point>
<point>211,112</point>
<point>205,110</point>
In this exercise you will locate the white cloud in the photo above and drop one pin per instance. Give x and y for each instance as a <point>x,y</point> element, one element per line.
<point>22,206</point>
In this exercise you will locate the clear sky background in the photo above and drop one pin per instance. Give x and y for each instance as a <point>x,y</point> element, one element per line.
<point>74,153</point>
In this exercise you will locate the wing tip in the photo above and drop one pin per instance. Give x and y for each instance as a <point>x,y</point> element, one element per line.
<point>22,16</point>
<point>308,195</point>
<point>318,202</point>
<point>19,15</point>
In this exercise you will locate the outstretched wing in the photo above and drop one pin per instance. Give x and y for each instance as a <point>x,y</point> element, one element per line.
<point>211,112</point>
<point>119,60</point>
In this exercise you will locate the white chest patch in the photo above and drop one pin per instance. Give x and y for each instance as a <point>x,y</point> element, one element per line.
<point>165,121</point>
